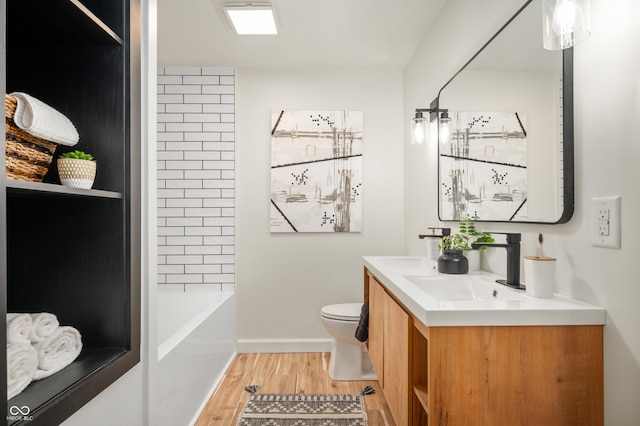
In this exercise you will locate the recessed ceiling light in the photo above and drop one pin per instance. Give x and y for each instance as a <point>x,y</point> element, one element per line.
<point>251,18</point>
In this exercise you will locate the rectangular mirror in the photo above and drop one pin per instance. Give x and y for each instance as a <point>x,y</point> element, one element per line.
<point>509,153</point>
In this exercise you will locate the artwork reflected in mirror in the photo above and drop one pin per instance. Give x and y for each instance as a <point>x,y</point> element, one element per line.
<point>510,152</point>
<point>483,166</point>
<point>316,171</point>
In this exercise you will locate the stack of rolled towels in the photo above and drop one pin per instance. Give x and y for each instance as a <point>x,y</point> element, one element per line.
<point>37,347</point>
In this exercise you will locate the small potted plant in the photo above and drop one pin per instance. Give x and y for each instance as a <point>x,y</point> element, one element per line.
<point>77,169</point>
<point>452,260</point>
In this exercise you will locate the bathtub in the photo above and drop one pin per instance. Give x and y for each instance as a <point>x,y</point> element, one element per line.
<point>196,344</point>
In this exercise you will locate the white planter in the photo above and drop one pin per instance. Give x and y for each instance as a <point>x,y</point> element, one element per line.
<point>76,173</point>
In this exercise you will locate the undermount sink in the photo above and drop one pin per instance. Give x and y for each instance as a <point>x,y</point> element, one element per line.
<point>463,287</point>
<point>407,262</point>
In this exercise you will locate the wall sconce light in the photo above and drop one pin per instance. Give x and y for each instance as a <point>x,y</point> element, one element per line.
<point>565,23</point>
<point>251,18</point>
<point>419,127</point>
<point>443,132</point>
<point>420,124</point>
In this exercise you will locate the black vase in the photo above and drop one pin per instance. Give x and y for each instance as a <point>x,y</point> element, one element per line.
<point>453,262</point>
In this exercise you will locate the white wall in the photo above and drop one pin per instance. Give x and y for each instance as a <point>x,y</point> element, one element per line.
<point>121,403</point>
<point>284,280</point>
<point>607,106</point>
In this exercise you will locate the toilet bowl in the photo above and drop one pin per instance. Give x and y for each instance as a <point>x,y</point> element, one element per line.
<point>349,357</point>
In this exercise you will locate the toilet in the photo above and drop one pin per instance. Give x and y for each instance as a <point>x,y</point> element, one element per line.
<point>349,357</point>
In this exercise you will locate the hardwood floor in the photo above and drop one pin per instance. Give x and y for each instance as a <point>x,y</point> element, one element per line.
<point>284,373</point>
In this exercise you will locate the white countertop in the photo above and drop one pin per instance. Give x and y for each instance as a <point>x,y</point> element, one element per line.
<point>401,275</point>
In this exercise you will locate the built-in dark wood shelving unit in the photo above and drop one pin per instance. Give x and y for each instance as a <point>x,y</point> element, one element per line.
<point>74,252</point>
<point>38,23</point>
<point>75,380</point>
<point>21,186</point>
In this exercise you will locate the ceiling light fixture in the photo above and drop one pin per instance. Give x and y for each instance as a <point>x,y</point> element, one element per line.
<point>251,18</point>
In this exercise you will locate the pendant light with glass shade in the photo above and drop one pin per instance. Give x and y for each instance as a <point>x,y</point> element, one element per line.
<point>565,23</point>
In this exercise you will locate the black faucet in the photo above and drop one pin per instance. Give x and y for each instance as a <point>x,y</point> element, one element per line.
<point>445,231</point>
<point>513,258</point>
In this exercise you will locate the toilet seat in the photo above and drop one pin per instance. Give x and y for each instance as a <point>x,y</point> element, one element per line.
<point>342,312</point>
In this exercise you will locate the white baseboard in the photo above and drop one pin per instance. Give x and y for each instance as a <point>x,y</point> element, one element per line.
<point>283,345</point>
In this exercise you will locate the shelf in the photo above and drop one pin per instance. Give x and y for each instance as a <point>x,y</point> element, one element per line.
<point>40,395</point>
<point>56,22</point>
<point>26,186</point>
<point>423,396</point>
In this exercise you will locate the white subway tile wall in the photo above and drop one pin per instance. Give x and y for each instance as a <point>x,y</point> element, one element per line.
<point>196,177</point>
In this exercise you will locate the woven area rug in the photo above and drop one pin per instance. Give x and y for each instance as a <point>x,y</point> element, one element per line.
<point>303,410</point>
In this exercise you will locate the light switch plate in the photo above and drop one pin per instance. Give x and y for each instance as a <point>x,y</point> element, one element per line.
<point>605,218</point>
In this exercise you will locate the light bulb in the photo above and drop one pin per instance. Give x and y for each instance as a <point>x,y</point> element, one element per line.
<point>565,23</point>
<point>567,17</point>
<point>444,128</point>
<point>418,131</point>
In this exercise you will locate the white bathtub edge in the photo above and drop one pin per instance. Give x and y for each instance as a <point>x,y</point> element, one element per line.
<point>214,386</point>
<point>189,373</point>
<point>284,345</point>
<point>172,341</point>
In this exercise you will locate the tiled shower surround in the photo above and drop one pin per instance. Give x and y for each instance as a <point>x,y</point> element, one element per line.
<point>196,186</point>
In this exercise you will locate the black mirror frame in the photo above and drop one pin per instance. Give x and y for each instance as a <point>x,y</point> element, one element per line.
<point>568,179</point>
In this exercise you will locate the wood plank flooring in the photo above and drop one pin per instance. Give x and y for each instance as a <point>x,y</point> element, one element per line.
<point>284,373</point>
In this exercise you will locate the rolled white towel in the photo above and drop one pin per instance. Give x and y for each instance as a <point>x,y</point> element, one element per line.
<point>22,363</point>
<point>43,325</point>
<point>35,117</point>
<point>57,351</point>
<point>18,327</point>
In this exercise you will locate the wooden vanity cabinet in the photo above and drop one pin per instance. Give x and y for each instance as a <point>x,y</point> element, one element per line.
<point>485,375</point>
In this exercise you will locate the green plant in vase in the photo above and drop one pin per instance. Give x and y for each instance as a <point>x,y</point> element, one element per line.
<point>467,235</point>
<point>452,261</point>
<point>470,234</point>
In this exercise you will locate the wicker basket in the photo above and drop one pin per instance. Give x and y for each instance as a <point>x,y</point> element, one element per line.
<point>27,156</point>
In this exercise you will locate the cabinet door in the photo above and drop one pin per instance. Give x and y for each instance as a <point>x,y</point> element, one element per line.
<point>377,297</point>
<point>397,327</point>
<point>389,327</point>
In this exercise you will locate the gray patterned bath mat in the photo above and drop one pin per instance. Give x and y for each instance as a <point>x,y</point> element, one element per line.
<point>271,409</point>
